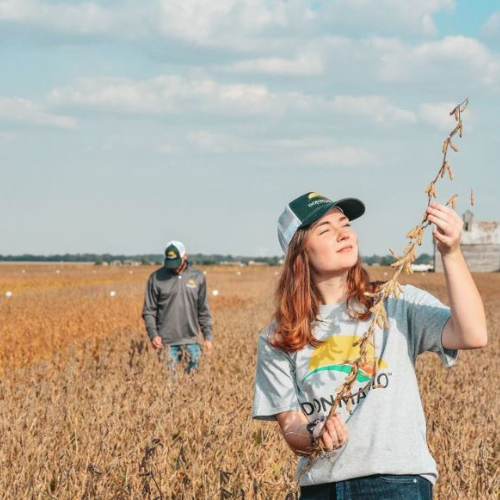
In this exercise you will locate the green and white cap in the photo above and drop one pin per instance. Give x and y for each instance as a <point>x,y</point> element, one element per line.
<point>174,253</point>
<point>309,208</point>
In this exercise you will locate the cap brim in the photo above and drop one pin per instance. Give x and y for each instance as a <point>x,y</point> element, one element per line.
<point>173,263</point>
<point>352,208</point>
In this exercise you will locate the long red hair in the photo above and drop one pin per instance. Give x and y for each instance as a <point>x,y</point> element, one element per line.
<point>298,298</point>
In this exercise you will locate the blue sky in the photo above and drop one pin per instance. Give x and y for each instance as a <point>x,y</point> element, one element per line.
<point>126,124</point>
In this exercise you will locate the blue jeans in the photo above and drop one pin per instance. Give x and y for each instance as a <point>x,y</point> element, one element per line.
<point>191,354</point>
<point>379,487</point>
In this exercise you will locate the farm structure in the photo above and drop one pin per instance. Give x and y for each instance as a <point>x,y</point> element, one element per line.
<point>480,245</point>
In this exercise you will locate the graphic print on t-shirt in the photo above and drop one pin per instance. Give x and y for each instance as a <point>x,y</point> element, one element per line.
<point>338,353</point>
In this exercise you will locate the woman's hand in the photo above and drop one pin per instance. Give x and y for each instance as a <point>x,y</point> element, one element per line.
<point>293,425</point>
<point>448,228</point>
<point>335,434</point>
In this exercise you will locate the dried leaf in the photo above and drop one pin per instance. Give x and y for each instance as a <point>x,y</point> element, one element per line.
<point>350,378</point>
<point>398,263</point>
<point>407,268</point>
<point>472,200</point>
<point>431,190</point>
<point>385,320</point>
<point>452,200</point>
<point>458,128</point>
<point>445,145</point>
<point>349,405</point>
<point>452,146</point>
<point>409,249</point>
<point>413,232</point>
<point>450,172</point>
<point>393,253</point>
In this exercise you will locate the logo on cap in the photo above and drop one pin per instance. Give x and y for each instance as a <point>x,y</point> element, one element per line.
<point>171,254</point>
<point>314,195</point>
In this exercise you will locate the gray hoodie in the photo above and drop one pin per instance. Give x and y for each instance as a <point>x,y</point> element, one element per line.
<point>176,306</point>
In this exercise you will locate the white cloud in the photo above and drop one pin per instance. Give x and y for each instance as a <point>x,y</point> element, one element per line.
<point>217,142</point>
<point>341,156</point>
<point>457,58</point>
<point>310,142</point>
<point>23,111</point>
<point>169,148</point>
<point>235,24</point>
<point>102,147</point>
<point>80,19</point>
<point>372,62</point>
<point>312,150</point>
<point>438,114</point>
<point>173,93</point>
<point>241,22</point>
<point>4,137</point>
<point>216,22</point>
<point>491,28</point>
<point>321,150</point>
<point>199,21</point>
<point>385,17</point>
<point>376,108</point>
<point>302,65</point>
<point>453,47</point>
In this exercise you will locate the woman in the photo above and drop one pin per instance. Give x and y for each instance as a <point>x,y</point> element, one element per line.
<point>376,442</point>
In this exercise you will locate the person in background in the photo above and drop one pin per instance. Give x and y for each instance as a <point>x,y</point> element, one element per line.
<point>176,307</point>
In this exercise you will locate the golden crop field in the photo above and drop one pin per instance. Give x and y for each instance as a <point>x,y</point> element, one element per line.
<point>88,410</point>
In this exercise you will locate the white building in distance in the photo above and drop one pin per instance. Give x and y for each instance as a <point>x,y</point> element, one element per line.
<point>480,245</point>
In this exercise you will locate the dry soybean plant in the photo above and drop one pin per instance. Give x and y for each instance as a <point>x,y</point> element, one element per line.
<point>100,419</point>
<point>401,264</point>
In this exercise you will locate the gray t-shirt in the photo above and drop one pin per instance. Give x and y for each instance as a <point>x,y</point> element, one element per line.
<point>387,433</point>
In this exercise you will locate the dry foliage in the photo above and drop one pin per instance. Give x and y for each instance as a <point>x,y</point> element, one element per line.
<point>87,410</point>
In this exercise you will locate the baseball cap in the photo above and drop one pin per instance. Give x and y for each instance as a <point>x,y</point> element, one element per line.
<point>309,208</point>
<point>173,254</point>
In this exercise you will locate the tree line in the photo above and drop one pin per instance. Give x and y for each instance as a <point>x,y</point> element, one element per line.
<point>197,258</point>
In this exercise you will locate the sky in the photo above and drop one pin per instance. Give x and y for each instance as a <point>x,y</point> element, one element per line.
<point>125,124</point>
